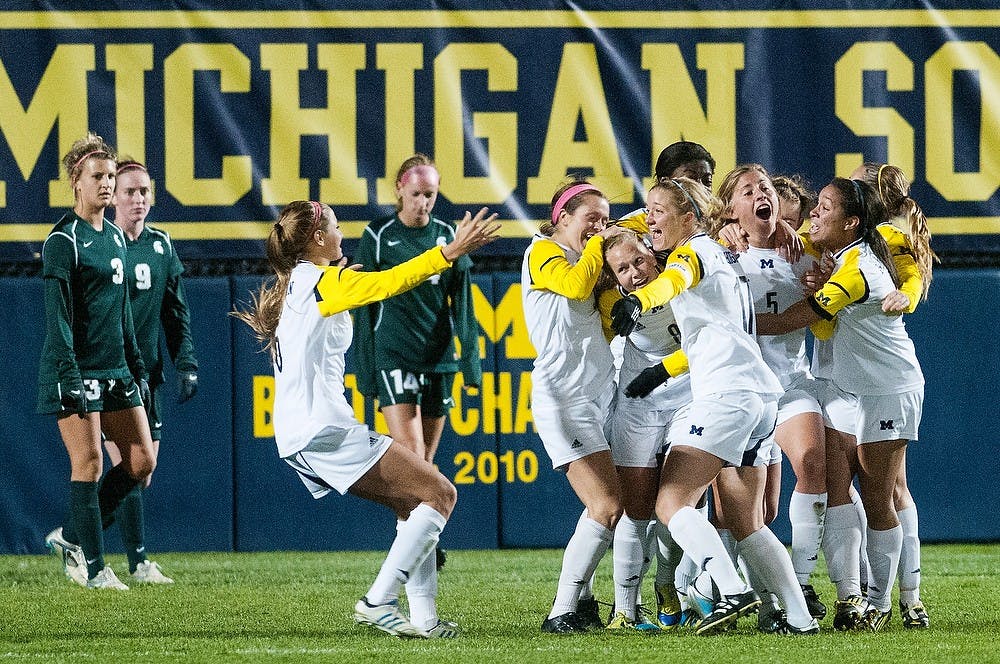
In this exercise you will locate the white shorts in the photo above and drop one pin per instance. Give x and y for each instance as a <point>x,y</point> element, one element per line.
<point>802,396</point>
<point>638,428</point>
<point>737,427</point>
<point>338,461</point>
<point>874,418</point>
<point>571,429</point>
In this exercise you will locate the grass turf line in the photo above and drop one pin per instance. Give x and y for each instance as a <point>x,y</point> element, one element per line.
<point>297,607</point>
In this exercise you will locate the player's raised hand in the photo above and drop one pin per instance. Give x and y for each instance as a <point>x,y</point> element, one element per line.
<point>471,233</point>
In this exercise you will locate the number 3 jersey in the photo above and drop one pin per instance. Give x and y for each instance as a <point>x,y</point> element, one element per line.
<point>154,276</point>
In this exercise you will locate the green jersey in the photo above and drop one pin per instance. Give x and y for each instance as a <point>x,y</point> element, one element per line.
<point>88,331</point>
<point>159,308</point>
<point>415,330</point>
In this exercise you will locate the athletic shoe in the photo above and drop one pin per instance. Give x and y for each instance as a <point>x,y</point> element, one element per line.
<point>149,572</point>
<point>817,609</point>
<point>621,622</point>
<point>444,629</point>
<point>849,613</point>
<point>668,607</point>
<point>770,618</point>
<point>567,623</point>
<point>785,628</point>
<point>726,611</point>
<point>440,557</point>
<point>386,617</point>
<point>106,580</point>
<point>688,618</point>
<point>73,562</point>
<point>914,615</point>
<point>876,620</point>
<point>589,613</point>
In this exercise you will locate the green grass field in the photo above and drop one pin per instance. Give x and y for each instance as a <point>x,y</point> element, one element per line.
<point>296,607</point>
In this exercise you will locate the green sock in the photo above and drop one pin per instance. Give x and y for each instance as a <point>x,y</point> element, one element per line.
<point>87,521</point>
<point>131,523</point>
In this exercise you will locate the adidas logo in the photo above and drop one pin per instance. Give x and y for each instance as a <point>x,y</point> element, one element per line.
<point>576,444</point>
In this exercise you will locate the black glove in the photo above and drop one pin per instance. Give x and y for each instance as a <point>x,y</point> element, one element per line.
<point>648,380</point>
<point>625,314</point>
<point>145,393</point>
<point>187,386</point>
<point>72,398</point>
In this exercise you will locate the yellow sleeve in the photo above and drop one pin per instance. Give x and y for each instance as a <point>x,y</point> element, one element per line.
<point>808,247</point>
<point>550,270</point>
<point>823,328</point>
<point>846,285</point>
<point>636,221</point>
<point>340,288</point>
<point>605,301</point>
<point>682,271</point>
<point>676,363</point>
<point>911,283</point>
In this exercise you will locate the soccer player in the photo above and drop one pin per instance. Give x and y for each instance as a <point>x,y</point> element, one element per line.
<point>153,272</point>
<point>752,200</point>
<point>731,420</point>
<point>875,397</point>
<point>302,317</point>
<point>572,383</point>
<point>647,402</point>
<point>91,375</point>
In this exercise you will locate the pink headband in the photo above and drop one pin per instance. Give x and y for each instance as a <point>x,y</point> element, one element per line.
<point>127,167</point>
<point>84,158</point>
<point>317,215</point>
<point>568,194</point>
<point>406,174</point>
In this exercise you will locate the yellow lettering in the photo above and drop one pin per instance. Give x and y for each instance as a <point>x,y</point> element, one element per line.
<point>130,62</point>
<point>464,426</point>
<point>263,406</point>
<point>849,102</point>
<point>497,402</point>
<point>579,103</point>
<point>675,108</point>
<point>61,96</point>
<point>399,61</point>
<point>524,417</point>
<point>179,124</point>
<point>939,73</point>
<point>505,322</point>
<point>338,122</point>
<point>498,130</point>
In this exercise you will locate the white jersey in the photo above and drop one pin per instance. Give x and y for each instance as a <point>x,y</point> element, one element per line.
<point>775,285</point>
<point>716,319</point>
<point>573,357</point>
<point>309,400</point>
<point>656,335</point>
<point>872,353</point>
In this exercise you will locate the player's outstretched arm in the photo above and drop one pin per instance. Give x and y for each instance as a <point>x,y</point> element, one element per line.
<point>471,233</point>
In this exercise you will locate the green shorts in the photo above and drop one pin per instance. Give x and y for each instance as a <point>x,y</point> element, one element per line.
<point>430,390</point>
<point>104,395</point>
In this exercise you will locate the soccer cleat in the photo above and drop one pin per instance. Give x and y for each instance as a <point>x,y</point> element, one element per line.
<point>106,580</point>
<point>386,617</point>
<point>785,628</point>
<point>688,618</point>
<point>589,613</point>
<point>149,572</point>
<point>567,623</point>
<point>770,619</point>
<point>668,607</point>
<point>849,613</point>
<point>817,609</point>
<point>726,611</point>
<point>876,620</point>
<point>73,562</point>
<point>444,629</point>
<point>621,622</point>
<point>914,615</point>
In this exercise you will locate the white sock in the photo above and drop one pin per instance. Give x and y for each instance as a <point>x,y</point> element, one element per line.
<point>909,557</point>
<point>841,548</point>
<point>415,538</point>
<point>699,540</point>
<point>883,554</point>
<point>767,559</point>
<point>729,542</point>
<point>583,552</point>
<point>670,558</point>
<point>421,592</point>
<point>807,513</point>
<point>865,566</point>
<point>628,554</point>
<point>587,589</point>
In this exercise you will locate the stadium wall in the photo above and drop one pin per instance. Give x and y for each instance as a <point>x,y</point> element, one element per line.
<point>220,486</point>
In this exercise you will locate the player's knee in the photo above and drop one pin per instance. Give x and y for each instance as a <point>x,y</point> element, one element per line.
<point>606,511</point>
<point>445,496</point>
